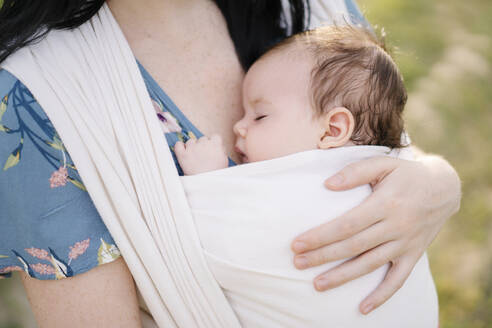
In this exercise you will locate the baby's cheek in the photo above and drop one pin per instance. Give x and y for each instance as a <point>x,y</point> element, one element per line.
<point>259,152</point>
<point>271,141</point>
<point>259,148</point>
<point>270,149</point>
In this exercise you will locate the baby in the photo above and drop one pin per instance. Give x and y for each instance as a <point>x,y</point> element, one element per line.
<point>321,89</point>
<point>333,87</point>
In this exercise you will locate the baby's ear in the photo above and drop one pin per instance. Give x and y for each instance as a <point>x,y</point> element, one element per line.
<point>337,128</point>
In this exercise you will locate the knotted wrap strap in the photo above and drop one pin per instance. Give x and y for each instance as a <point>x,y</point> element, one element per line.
<point>88,82</point>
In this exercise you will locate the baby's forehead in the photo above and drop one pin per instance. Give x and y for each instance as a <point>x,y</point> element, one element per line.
<point>278,75</point>
<point>280,62</point>
<point>293,51</point>
<point>283,69</point>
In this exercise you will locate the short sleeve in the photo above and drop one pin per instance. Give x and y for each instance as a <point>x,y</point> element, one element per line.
<point>49,226</point>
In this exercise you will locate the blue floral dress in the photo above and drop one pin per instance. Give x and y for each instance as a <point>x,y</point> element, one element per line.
<point>49,226</point>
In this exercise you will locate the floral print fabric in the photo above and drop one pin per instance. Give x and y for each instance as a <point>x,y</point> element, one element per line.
<point>49,226</point>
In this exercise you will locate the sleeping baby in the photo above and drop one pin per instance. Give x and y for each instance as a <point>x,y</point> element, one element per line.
<point>327,88</point>
<point>312,104</point>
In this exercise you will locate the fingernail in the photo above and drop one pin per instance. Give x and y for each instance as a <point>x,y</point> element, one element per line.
<point>335,180</point>
<point>367,308</point>
<point>321,284</point>
<point>301,262</point>
<point>299,246</point>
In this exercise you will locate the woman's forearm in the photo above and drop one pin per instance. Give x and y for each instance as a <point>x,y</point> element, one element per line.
<point>444,179</point>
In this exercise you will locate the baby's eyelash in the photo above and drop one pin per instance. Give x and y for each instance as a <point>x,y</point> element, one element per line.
<point>260,117</point>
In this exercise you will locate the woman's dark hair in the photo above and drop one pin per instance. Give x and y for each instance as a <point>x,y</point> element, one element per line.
<point>254,25</point>
<point>25,21</point>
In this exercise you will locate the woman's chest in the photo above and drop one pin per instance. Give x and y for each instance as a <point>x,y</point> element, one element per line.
<point>206,87</point>
<point>196,65</point>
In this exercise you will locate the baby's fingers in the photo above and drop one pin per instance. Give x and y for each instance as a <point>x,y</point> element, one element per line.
<point>203,140</point>
<point>190,142</point>
<point>179,147</point>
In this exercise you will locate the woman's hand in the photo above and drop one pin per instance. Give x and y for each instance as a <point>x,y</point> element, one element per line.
<point>411,202</point>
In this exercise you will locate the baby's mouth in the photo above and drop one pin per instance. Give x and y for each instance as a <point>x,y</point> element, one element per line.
<point>243,156</point>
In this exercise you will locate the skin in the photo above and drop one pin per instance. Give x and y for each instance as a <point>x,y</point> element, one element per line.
<point>278,119</point>
<point>187,48</point>
<point>103,297</point>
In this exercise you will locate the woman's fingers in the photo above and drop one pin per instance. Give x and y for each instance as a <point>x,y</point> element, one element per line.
<point>368,171</point>
<point>394,280</point>
<point>343,227</point>
<point>357,219</point>
<point>356,267</point>
<point>367,239</point>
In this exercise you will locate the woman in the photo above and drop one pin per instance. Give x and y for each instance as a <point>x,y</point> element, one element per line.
<point>187,47</point>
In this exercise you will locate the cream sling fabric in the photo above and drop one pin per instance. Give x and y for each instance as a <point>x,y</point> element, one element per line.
<point>88,82</point>
<point>247,217</point>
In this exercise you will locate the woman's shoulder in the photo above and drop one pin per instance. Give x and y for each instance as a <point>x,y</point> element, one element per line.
<point>49,226</point>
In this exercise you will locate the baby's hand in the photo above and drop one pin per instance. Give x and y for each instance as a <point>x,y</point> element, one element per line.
<point>202,155</point>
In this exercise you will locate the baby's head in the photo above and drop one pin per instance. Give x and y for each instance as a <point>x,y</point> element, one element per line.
<point>325,88</point>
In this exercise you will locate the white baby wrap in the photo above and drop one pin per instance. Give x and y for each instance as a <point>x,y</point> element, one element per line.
<point>88,82</point>
<point>248,215</point>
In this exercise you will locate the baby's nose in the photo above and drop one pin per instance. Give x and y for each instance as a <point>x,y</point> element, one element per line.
<point>239,129</point>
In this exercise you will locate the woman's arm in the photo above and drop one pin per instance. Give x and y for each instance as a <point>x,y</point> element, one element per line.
<point>411,202</point>
<point>105,296</point>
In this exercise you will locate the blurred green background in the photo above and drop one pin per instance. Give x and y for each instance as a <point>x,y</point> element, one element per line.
<point>445,54</point>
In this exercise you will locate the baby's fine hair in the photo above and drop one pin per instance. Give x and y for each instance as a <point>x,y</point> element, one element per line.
<point>352,69</point>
